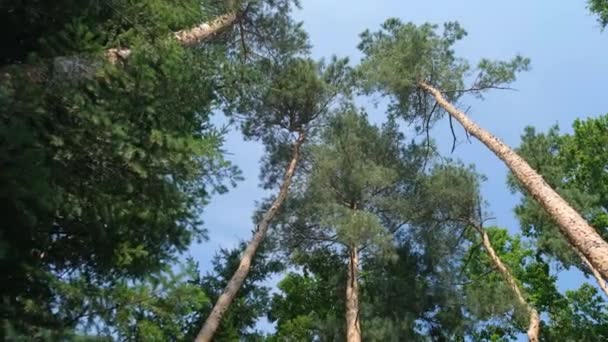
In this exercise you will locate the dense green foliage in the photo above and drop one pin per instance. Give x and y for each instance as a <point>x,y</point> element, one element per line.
<point>154,308</point>
<point>106,168</point>
<point>285,100</point>
<point>405,298</point>
<point>310,304</point>
<point>575,165</point>
<point>103,178</point>
<point>36,29</point>
<point>576,315</point>
<point>365,188</point>
<point>357,187</point>
<point>400,55</point>
<point>253,299</point>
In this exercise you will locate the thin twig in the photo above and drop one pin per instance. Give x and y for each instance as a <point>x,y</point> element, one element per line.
<point>427,124</point>
<point>476,279</point>
<point>453,134</point>
<point>474,89</point>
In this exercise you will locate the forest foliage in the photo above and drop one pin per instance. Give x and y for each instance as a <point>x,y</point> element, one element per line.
<point>106,169</point>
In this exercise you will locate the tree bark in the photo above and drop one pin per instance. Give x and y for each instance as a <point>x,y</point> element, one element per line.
<point>353,327</point>
<point>79,66</point>
<point>579,233</point>
<point>211,324</point>
<point>534,319</point>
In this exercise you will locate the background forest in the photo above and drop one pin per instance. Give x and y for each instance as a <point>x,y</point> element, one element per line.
<point>283,170</point>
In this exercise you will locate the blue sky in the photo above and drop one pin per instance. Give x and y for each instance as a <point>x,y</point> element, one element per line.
<point>568,80</point>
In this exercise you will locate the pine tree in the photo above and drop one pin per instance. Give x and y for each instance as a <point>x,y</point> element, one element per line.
<point>417,67</point>
<point>354,195</point>
<point>290,96</point>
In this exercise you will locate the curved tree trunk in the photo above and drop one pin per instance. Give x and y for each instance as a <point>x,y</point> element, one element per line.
<point>579,233</point>
<point>534,319</point>
<point>211,324</point>
<point>353,327</point>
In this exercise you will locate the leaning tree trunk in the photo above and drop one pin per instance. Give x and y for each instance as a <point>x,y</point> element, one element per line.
<point>598,277</point>
<point>579,233</point>
<point>353,327</point>
<point>79,66</point>
<point>211,324</point>
<point>534,319</point>
<point>187,37</point>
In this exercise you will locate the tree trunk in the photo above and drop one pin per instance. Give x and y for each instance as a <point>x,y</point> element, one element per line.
<point>187,38</point>
<point>353,327</point>
<point>82,66</point>
<point>579,233</point>
<point>211,324</point>
<point>534,319</point>
<point>598,277</point>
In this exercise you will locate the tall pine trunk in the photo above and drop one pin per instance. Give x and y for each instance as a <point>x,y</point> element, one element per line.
<point>533,317</point>
<point>76,67</point>
<point>186,37</point>
<point>579,233</point>
<point>238,278</point>
<point>353,327</point>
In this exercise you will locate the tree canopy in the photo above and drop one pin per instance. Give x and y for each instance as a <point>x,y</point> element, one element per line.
<point>113,118</point>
